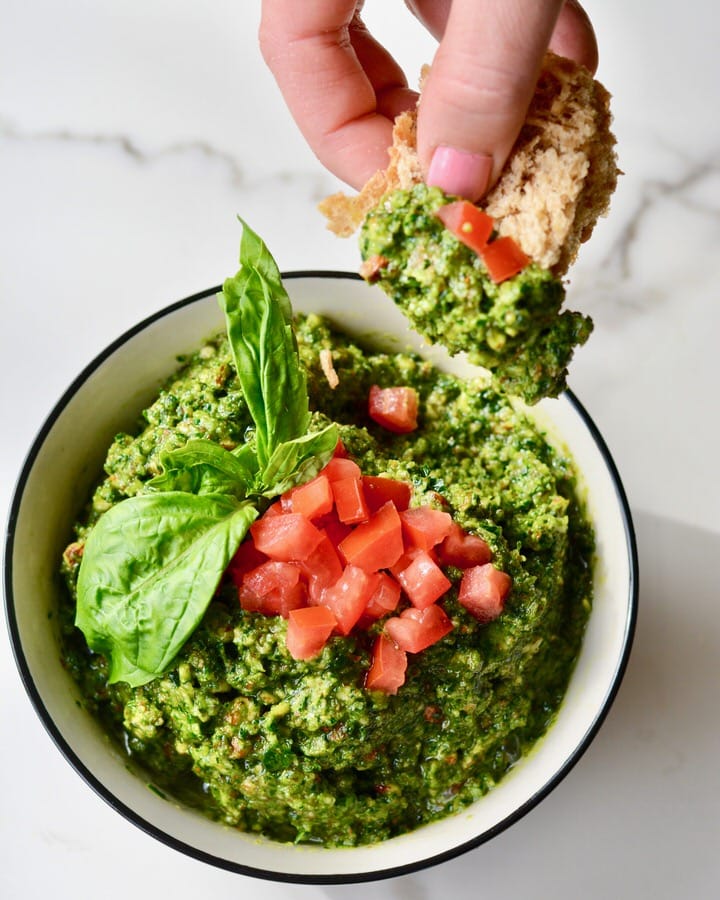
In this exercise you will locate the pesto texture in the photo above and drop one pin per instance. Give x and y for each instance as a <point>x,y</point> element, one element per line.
<point>515,328</point>
<point>300,750</point>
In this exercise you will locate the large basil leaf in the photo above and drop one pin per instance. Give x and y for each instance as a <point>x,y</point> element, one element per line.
<point>150,568</point>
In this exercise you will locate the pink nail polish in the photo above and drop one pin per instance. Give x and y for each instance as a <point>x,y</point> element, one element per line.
<point>459,172</point>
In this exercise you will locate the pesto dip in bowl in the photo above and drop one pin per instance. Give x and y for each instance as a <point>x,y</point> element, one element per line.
<point>253,761</point>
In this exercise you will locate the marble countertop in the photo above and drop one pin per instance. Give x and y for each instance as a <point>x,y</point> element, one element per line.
<point>130,136</point>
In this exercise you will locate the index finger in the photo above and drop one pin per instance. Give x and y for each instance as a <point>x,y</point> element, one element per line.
<point>336,80</point>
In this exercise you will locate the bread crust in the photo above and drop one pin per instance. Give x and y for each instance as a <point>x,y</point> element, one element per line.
<point>556,183</point>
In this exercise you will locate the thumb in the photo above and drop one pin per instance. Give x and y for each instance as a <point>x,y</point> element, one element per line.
<point>479,88</point>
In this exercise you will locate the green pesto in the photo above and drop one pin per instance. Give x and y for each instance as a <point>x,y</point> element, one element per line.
<point>301,751</point>
<point>516,328</point>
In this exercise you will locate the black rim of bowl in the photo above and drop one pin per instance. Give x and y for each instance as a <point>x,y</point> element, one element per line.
<point>189,850</point>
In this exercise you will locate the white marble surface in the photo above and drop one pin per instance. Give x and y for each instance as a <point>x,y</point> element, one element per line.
<point>131,133</point>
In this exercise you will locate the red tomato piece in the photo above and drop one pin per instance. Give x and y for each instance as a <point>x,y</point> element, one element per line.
<point>308,630</point>
<point>312,499</point>
<point>285,537</point>
<point>395,408</point>
<point>379,490</point>
<point>424,527</point>
<point>385,597</point>
<point>349,596</point>
<point>321,569</point>
<point>483,591</point>
<point>388,666</point>
<point>417,629</point>
<point>463,550</point>
<point>273,588</point>
<point>469,224</point>
<point>333,527</point>
<point>377,543</point>
<point>350,500</point>
<point>246,558</point>
<point>423,580</point>
<point>503,259</point>
<point>341,467</point>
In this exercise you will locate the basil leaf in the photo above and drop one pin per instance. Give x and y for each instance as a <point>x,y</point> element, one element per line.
<point>258,317</point>
<point>202,467</point>
<point>150,568</point>
<point>295,462</point>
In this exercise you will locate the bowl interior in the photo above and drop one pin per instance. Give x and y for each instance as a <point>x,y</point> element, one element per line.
<point>58,475</point>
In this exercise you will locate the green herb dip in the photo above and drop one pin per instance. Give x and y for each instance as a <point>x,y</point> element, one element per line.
<point>302,751</point>
<point>515,328</point>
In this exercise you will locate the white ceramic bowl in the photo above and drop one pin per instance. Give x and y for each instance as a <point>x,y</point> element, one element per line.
<point>63,464</point>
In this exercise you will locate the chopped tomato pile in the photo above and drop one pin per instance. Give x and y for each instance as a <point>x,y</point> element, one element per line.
<point>345,550</point>
<point>502,256</point>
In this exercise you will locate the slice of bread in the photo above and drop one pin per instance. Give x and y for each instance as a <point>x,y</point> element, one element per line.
<point>555,185</point>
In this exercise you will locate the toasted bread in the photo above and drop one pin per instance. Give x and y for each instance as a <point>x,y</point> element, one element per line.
<point>556,183</point>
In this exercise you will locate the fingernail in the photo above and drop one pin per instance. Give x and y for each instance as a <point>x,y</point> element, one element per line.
<point>459,172</point>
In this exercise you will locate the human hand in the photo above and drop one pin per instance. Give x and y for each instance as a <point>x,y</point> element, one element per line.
<point>344,89</point>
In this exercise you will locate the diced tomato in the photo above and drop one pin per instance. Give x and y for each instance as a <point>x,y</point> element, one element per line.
<point>379,490</point>
<point>423,580</point>
<point>273,588</point>
<point>387,670</point>
<point>469,224</point>
<point>350,500</point>
<point>395,408</point>
<point>247,557</point>
<point>333,527</point>
<point>503,259</point>
<point>308,630</point>
<point>285,537</point>
<point>377,543</point>
<point>416,629</point>
<point>341,467</point>
<point>483,590</point>
<point>349,596</point>
<point>407,557</point>
<point>340,449</point>
<point>424,527</point>
<point>321,568</point>
<point>463,550</point>
<point>312,499</point>
<point>385,597</point>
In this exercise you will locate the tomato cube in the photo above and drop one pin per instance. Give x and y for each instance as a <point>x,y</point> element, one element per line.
<point>333,527</point>
<point>308,631</point>
<point>273,588</point>
<point>385,597</point>
<point>377,543</point>
<point>424,527</point>
<point>312,499</point>
<point>395,408</point>
<point>423,580</point>
<point>341,467</point>
<point>388,666</point>
<point>285,537</point>
<point>469,224</point>
<point>463,550</point>
<point>503,259</point>
<point>350,500</point>
<point>378,490</point>
<point>349,596</point>
<point>246,558</point>
<point>483,591</point>
<point>417,629</point>
<point>321,568</point>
